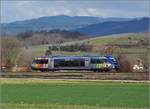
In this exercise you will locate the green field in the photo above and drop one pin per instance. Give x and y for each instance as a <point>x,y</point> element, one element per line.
<point>39,50</point>
<point>72,94</point>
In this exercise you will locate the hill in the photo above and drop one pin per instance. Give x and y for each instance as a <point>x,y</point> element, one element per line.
<point>113,27</point>
<point>97,42</point>
<point>61,22</point>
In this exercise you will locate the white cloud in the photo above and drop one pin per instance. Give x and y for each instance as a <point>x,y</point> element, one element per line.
<point>21,10</point>
<point>93,11</point>
<point>20,3</point>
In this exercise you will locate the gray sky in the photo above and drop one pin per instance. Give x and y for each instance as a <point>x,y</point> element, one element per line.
<point>20,10</point>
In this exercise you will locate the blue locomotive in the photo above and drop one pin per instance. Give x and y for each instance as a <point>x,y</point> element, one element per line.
<point>90,63</point>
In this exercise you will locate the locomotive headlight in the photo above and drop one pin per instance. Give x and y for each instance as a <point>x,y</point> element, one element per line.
<point>32,65</point>
<point>108,64</point>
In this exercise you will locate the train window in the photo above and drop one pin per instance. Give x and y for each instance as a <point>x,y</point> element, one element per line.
<point>95,61</point>
<point>41,61</point>
<point>77,63</point>
<point>58,62</point>
<point>69,63</point>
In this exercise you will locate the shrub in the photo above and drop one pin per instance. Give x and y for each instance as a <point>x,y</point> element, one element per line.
<point>125,63</point>
<point>10,48</point>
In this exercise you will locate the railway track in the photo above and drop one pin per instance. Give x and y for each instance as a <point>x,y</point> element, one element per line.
<point>78,75</point>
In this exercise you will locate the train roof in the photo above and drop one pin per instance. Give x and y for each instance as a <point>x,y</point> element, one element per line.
<point>74,57</point>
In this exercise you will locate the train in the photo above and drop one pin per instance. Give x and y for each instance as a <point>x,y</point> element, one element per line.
<point>90,63</point>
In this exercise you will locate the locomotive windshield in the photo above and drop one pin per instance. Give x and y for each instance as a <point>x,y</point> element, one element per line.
<point>41,61</point>
<point>98,61</point>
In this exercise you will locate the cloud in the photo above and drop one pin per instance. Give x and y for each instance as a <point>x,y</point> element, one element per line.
<point>21,10</point>
<point>21,3</point>
<point>93,12</point>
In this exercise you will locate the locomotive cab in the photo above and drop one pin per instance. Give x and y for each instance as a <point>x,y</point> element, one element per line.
<point>100,64</point>
<point>40,64</point>
<point>113,61</point>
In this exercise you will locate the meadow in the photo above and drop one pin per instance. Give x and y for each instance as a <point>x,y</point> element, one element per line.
<point>39,50</point>
<point>73,94</point>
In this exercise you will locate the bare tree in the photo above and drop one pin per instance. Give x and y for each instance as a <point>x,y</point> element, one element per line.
<point>10,47</point>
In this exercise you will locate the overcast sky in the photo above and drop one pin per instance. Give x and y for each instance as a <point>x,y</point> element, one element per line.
<point>20,10</point>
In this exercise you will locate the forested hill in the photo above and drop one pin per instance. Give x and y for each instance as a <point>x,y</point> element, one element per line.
<point>113,27</point>
<point>61,22</point>
<point>91,26</point>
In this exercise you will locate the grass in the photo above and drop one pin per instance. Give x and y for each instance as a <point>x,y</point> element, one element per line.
<point>118,39</point>
<point>39,50</point>
<point>71,94</point>
<point>102,41</point>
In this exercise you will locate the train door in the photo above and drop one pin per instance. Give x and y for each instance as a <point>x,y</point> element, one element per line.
<point>50,63</point>
<point>87,63</point>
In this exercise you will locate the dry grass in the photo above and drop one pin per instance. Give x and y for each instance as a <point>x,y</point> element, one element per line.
<point>54,106</point>
<point>65,81</point>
